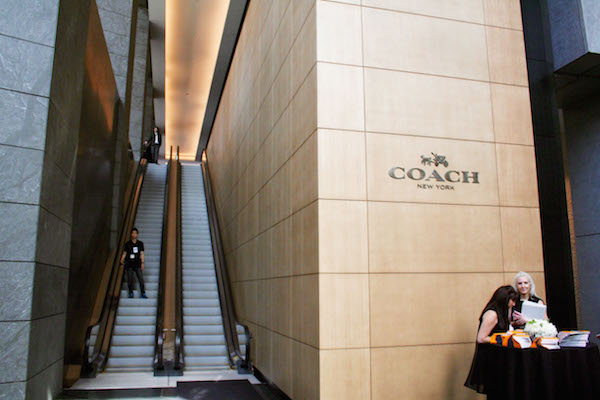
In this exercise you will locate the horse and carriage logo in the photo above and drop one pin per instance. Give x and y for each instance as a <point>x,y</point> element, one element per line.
<point>436,160</point>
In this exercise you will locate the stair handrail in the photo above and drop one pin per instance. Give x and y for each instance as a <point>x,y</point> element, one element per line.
<point>158,332</point>
<point>179,333</point>
<point>105,321</point>
<point>230,320</point>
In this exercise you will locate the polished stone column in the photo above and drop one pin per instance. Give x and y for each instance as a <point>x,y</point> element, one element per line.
<point>117,17</point>
<point>137,134</point>
<point>40,98</point>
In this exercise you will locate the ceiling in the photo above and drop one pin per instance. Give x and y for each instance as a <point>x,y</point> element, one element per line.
<point>184,38</point>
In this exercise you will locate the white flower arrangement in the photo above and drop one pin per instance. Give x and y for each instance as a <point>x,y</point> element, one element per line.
<point>540,328</point>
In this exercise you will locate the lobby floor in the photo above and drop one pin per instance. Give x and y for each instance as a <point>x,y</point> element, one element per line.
<point>198,385</point>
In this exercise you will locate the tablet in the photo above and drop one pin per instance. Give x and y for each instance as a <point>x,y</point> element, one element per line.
<point>531,310</point>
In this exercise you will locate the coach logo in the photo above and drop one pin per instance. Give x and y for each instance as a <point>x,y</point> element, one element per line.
<point>437,160</point>
<point>439,179</point>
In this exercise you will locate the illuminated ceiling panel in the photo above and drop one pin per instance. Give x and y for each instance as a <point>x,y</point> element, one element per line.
<point>192,37</point>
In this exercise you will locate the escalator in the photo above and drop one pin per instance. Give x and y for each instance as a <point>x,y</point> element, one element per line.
<point>205,346</point>
<point>132,344</point>
<point>188,320</point>
<point>124,327</point>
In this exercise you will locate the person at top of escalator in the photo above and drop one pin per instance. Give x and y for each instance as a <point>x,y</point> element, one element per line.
<point>154,142</point>
<point>133,258</point>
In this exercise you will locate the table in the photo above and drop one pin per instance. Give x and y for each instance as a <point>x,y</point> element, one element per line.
<point>540,374</point>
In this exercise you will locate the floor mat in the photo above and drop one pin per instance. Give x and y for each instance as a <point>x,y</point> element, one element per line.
<point>229,390</point>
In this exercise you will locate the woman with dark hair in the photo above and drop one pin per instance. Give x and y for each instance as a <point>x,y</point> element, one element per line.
<point>495,318</point>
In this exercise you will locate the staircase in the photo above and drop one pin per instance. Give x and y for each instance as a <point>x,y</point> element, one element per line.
<point>132,345</point>
<point>204,341</point>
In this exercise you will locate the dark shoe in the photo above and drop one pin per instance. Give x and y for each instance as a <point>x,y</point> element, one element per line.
<point>143,296</point>
<point>131,295</point>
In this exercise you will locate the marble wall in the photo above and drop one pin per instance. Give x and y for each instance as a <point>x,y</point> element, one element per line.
<point>54,92</point>
<point>40,118</point>
<point>137,133</point>
<point>93,196</point>
<point>581,133</point>
<point>119,25</point>
<point>575,33</point>
<point>354,283</point>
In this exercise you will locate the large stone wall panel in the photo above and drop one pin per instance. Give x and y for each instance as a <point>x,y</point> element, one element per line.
<point>18,16</point>
<point>122,7</point>
<point>46,343</point>
<point>47,381</point>
<point>20,174</point>
<point>25,66</point>
<point>16,286</point>
<point>50,287</point>
<point>54,240</point>
<point>18,231</point>
<point>57,193</point>
<point>14,390</point>
<point>461,10</point>
<point>422,372</point>
<point>429,105</point>
<point>23,119</point>
<point>14,347</point>
<point>416,43</point>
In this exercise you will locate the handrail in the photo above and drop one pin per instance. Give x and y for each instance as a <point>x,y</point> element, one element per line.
<point>230,320</point>
<point>179,357</point>
<point>105,322</point>
<point>158,332</point>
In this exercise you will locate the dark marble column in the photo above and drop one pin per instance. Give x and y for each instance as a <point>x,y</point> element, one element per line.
<point>39,118</point>
<point>118,23</point>
<point>138,94</point>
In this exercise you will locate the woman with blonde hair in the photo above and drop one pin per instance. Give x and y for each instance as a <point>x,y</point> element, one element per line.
<point>525,286</point>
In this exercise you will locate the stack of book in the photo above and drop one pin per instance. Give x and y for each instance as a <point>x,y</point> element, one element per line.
<point>520,341</point>
<point>550,343</point>
<point>573,338</point>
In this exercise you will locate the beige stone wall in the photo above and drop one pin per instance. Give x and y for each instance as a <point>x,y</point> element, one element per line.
<point>262,154</point>
<point>357,285</point>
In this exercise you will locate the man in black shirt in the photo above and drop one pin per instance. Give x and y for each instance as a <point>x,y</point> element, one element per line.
<point>133,258</point>
<point>154,142</point>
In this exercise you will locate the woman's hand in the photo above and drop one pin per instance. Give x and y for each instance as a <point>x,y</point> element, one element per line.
<point>488,321</point>
<point>519,319</point>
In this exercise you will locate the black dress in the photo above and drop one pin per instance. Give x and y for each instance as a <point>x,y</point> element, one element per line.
<point>475,379</point>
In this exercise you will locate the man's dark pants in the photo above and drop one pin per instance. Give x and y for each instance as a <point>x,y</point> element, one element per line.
<point>154,148</point>
<point>137,270</point>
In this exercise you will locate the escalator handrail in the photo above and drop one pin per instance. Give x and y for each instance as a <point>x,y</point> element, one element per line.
<point>158,332</point>
<point>179,334</point>
<point>105,321</point>
<point>230,320</point>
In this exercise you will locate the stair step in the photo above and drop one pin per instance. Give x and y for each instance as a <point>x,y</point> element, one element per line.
<point>201,311</point>
<point>206,361</point>
<point>201,302</point>
<point>131,351</point>
<point>199,287</point>
<point>134,330</point>
<point>200,320</point>
<point>200,295</point>
<point>137,320</point>
<point>130,362</point>
<point>132,340</point>
<point>141,311</point>
<point>197,340</point>
<point>204,350</point>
